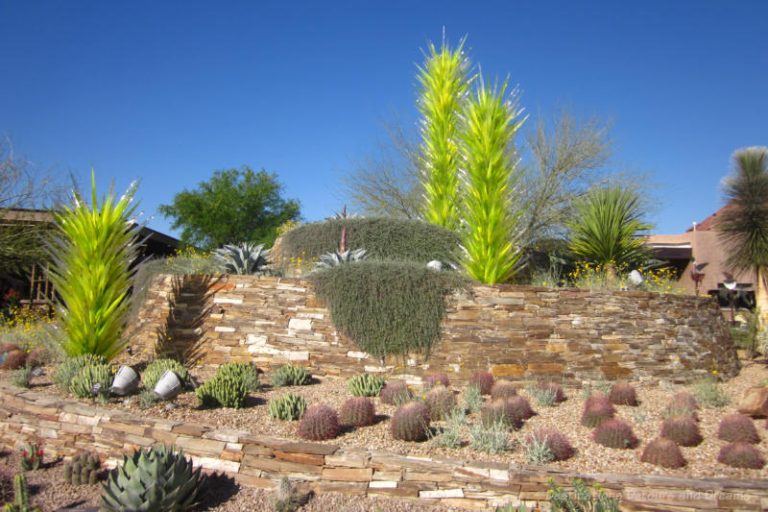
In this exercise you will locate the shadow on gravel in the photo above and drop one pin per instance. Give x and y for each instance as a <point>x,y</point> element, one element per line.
<point>218,489</point>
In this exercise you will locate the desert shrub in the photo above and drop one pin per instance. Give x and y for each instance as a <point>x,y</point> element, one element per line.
<point>440,402</point>
<point>503,389</point>
<point>512,412</point>
<point>395,392</point>
<point>663,452</point>
<point>556,444</point>
<point>683,430</point>
<point>484,382</point>
<point>358,412</point>
<point>319,422</point>
<point>229,387</point>
<point>365,384</point>
<point>450,435</point>
<point>387,308</point>
<point>433,380</point>
<point>287,407</point>
<point>741,455</point>
<point>623,393</point>
<point>492,438</point>
<point>737,428</point>
<point>22,376</point>
<point>410,422</point>
<point>597,409</point>
<point>291,375</point>
<point>158,367</point>
<point>473,399</point>
<point>382,238</point>
<point>614,433</point>
<point>92,380</point>
<point>582,499</point>
<point>710,394</point>
<point>69,367</point>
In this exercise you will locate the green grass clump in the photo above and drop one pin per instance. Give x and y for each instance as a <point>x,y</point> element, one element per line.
<point>473,398</point>
<point>490,438</point>
<point>158,367</point>
<point>291,375</point>
<point>287,407</point>
<point>366,384</point>
<point>710,394</point>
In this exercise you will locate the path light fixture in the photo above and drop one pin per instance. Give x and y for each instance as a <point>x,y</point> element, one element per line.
<point>730,284</point>
<point>126,381</point>
<point>168,386</point>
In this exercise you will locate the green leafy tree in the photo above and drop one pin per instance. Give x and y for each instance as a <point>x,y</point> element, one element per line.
<point>606,227</point>
<point>491,123</point>
<point>743,225</point>
<point>235,205</point>
<point>444,85</point>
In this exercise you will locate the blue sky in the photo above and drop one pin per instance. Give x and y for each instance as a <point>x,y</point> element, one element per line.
<point>167,92</point>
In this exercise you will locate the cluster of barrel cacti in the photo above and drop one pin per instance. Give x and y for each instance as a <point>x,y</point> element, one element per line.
<point>83,469</point>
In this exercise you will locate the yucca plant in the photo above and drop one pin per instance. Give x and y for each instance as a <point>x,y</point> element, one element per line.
<point>336,258</point>
<point>92,254</point>
<point>444,83</point>
<point>244,258</point>
<point>491,122</point>
<point>606,227</point>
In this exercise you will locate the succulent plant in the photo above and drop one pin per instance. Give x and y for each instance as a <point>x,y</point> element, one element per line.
<point>440,402</point>
<point>623,393</point>
<point>512,412</point>
<point>366,384</point>
<point>31,456</point>
<point>245,258</point>
<point>439,379</point>
<point>336,258</point>
<point>20,496</point>
<point>287,407</point>
<point>92,380</point>
<point>737,428</point>
<point>410,422</point>
<point>395,392</point>
<point>83,469</point>
<point>682,404</point>
<point>152,479</point>
<point>483,380</point>
<point>741,455</point>
<point>553,387</point>
<point>503,389</point>
<point>614,433</point>
<point>597,409</point>
<point>158,367</point>
<point>683,430</point>
<point>291,375</point>
<point>242,372</point>
<point>320,422</point>
<point>68,368</point>
<point>557,444</point>
<point>358,412</point>
<point>227,388</point>
<point>663,452</point>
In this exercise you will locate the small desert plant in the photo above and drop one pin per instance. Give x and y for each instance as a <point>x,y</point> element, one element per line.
<point>433,380</point>
<point>484,382</point>
<point>243,258</point>
<point>741,455</point>
<point>547,389</point>
<point>336,258</point>
<point>287,499</point>
<point>683,430</point>
<point>366,384</point>
<point>319,423</point>
<point>536,450</point>
<point>287,407</point>
<point>601,386</point>
<point>503,389</point>
<point>244,373</point>
<point>20,496</point>
<point>147,398</point>
<point>492,438</point>
<point>68,368</point>
<point>93,380</point>
<point>450,434</point>
<point>556,444</point>
<point>395,392</point>
<point>158,367</point>
<point>31,456</point>
<point>291,375</point>
<point>614,433</point>
<point>737,428</point>
<point>663,452</point>
<point>546,396</point>
<point>22,376</point>
<point>358,412</point>
<point>710,394</point>
<point>410,422</point>
<point>597,409</point>
<point>440,401</point>
<point>83,469</point>
<point>623,393</point>
<point>229,387</point>
<point>583,498</point>
<point>473,399</point>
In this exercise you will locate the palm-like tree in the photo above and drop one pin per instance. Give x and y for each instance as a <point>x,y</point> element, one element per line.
<point>743,226</point>
<point>606,227</point>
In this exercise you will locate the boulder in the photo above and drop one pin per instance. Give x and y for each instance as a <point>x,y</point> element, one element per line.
<point>755,402</point>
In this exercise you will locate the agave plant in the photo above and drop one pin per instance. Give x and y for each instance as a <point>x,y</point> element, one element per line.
<point>92,254</point>
<point>444,84</point>
<point>334,259</point>
<point>152,479</point>
<point>491,123</point>
<point>243,259</point>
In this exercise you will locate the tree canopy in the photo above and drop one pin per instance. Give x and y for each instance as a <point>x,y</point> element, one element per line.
<point>234,205</point>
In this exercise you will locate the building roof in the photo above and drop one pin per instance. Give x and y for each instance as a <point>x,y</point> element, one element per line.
<point>708,224</point>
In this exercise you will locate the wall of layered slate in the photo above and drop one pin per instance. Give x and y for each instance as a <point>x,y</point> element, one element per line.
<point>66,426</point>
<point>520,333</point>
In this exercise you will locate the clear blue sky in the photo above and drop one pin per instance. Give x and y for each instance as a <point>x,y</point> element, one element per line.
<point>166,92</point>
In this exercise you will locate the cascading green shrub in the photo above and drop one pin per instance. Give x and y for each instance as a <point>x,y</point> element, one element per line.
<point>287,407</point>
<point>68,368</point>
<point>152,479</point>
<point>387,308</point>
<point>366,384</point>
<point>382,239</point>
<point>92,380</point>
<point>92,271</point>
<point>229,387</point>
<point>158,367</point>
<point>291,375</point>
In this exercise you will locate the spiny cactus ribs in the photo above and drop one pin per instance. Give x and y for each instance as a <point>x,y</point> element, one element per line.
<point>512,412</point>
<point>358,412</point>
<point>738,428</point>
<point>411,422</point>
<point>555,388</point>
<point>663,452</point>
<point>556,442</point>
<point>683,404</point>
<point>83,469</point>
<point>503,389</point>
<point>683,430</point>
<point>597,409</point>
<point>623,393</point>
<point>741,455</point>
<point>319,423</point>
<point>434,380</point>
<point>484,382</point>
<point>440,401</point>
<point>615,433</point>
<point>395,392</point>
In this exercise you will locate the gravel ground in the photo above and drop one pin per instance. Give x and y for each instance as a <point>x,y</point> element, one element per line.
<point>591,457</point>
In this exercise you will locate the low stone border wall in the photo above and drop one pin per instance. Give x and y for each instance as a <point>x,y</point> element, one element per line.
<point>66,426</point>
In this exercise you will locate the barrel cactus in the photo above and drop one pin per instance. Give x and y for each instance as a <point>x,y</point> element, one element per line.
<point>158,479</point>
<point>440,401</point>
<point>358,412</point>
<point>319,423</point>
<point>411,422</point>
